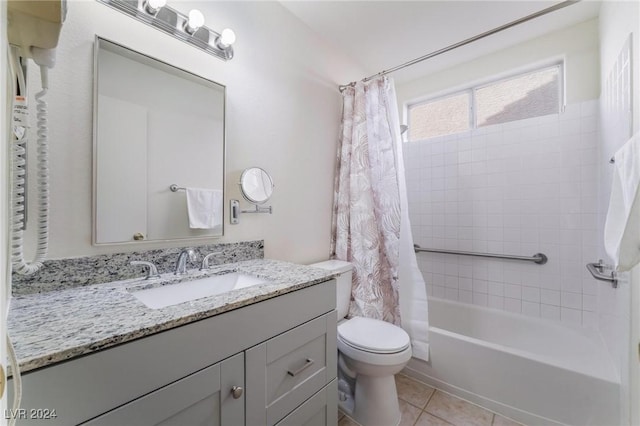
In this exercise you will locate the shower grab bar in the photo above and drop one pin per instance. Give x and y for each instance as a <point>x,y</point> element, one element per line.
<point>538,258</point>
<point>597,272</point>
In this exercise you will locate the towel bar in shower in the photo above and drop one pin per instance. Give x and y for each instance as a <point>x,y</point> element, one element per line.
<point>538,258</point>
<point>597,272</point>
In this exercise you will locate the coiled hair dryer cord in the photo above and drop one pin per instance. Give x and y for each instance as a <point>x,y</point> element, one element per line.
<point>18,170</point>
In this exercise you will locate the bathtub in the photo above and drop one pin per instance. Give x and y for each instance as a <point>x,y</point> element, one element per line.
<point>531,370</point>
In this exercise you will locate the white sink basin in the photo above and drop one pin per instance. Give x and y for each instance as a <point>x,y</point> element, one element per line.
<point>173,294</point>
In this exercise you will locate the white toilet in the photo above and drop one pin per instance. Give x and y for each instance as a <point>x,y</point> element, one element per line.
<point>370,352</point>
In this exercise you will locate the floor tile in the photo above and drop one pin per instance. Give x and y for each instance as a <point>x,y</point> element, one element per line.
<point>498,420</point>
<point>427,419</point>
<point>440,408</point>
<point>347,421</point>
<point>412,391</point>
<point>409,413</point>
<point>457,411</point>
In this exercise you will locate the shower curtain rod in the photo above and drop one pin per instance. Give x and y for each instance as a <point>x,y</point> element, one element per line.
<point>467,41</point>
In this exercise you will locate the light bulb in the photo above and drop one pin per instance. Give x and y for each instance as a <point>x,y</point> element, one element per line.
<point>227,38</point>
<point>152,6</point>
<point>196,20</point>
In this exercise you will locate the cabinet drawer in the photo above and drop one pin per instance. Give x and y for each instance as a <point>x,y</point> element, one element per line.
<point>319,410</point>
<point>286,370</point>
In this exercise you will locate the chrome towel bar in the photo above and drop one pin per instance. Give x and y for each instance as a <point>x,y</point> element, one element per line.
<point>597,272</point>
<point>538,258</point>
<point>175,188</point>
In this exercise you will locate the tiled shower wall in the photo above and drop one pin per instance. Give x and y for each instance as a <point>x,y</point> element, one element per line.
<point>518,188</point>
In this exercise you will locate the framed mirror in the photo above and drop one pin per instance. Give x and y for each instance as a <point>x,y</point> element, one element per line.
<point>256,185</point>
<point>156,126</point>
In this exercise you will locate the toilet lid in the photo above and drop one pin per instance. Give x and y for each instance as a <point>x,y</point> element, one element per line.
<point>373,335</point>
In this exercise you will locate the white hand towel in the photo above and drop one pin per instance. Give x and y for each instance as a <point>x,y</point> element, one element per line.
<point>622,227</point>
<point>204,207</point>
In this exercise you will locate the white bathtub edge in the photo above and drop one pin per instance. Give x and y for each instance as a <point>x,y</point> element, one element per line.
<point>489,404</point>
<point>610,374</point>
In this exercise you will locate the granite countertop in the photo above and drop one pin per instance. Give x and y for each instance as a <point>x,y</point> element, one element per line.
<point>47,328</point>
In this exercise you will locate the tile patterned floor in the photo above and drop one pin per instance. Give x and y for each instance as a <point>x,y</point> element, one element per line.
<point>422,405</point>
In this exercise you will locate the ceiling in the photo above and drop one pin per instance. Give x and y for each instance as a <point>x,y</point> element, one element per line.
<point>383,34</point>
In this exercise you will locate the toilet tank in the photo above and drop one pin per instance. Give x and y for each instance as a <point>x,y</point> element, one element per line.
<point>343,285</point>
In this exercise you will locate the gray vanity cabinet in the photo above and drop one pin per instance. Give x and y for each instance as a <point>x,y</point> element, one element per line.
<point>281,351</point>
<point>199,399</point>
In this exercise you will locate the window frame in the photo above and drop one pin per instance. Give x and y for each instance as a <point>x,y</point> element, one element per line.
<point>473,87</point>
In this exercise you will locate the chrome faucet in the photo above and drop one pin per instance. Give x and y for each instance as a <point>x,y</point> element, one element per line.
<point>152,271</point>
<point>205,261</point>
<point>181,264</point>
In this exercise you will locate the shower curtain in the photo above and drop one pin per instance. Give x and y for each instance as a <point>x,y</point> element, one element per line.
<point>371,226</point>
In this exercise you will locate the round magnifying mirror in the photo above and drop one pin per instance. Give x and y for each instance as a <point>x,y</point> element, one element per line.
<point>256,185</point>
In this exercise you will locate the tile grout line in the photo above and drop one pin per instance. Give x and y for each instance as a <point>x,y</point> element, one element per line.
<point>493,414</point>
<point>424,410</point>
<point>430,397</point>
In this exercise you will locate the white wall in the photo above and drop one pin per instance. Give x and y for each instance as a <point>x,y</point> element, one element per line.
<point>619,309</point>
<point>516,188</point>
<point>283,114</point>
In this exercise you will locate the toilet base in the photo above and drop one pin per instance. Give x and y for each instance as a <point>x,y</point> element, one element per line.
<point>375,402</point>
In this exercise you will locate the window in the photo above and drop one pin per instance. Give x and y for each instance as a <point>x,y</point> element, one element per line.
<point>440,117</point>
<point>524,96</point>
<point>530,95</point>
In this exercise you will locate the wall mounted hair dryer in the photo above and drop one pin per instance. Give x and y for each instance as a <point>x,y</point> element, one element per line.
<point>33,30</point>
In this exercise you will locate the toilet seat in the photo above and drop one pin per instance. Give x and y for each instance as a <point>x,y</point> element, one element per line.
<point>373,336</point>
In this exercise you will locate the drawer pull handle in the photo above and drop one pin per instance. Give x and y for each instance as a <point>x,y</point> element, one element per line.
<point>236,391</point>
<point>306,365</point>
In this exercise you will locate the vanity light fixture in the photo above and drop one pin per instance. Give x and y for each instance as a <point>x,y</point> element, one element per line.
<point>226,39</point>
<point>195,21</point>
<point>152,6</point>
<point>188,28</point>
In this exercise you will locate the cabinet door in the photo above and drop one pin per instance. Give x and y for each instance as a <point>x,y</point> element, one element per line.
<point>203,398</point>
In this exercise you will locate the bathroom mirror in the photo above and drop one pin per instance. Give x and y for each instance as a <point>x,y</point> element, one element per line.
<point>256,185</point>
<point>156,127</point>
